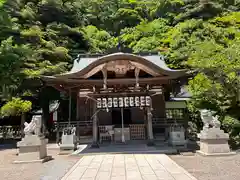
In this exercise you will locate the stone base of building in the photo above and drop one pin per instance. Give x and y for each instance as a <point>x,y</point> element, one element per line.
<point>94,145</point>
<point>150,143</point>
<point>32,149</point>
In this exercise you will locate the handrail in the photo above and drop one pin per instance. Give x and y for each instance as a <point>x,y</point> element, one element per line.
<point>10,131</point>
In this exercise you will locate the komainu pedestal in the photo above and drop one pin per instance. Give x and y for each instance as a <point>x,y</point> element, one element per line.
<point>213,140</point>
<point>33,147</point>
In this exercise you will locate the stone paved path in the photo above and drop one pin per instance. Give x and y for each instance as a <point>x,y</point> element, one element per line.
<point>127,167</point>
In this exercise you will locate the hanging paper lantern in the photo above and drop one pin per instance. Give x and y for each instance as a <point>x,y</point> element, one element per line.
<point>148,101</point>
<point>126,101</point>
<point>110,102</point>
<point>142,101</point>
<point>137,101</point>
<point>120,102</point>
<point>104,102</point>
<point>99,103</point>
<point>115,102</point>
<point>131,101</point>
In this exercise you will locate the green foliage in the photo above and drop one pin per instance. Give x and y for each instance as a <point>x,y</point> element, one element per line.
<point>16,107</point>
<point>145,37</point>
<point>12,60</point>
<point>219,82</point>
<point>232,126</point>
<point>99,40</point>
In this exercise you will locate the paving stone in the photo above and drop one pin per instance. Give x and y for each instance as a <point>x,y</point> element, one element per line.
<point>92,178</point>
<point>133,174</point>
<point>103,176</point>
<point>118,178</point>
<point>105,167</point>
<point>78,172</point>
<point>128,167</point>
<point>163,174</point>
<point>94,165</point>
<point>181,176</point>
<point>149,177</point>
<point>118,171</point>
<point>89,173</point>
<point>86,160</point>
<point>146,170</point>
<point>132,167</point>
<point>98,158</point>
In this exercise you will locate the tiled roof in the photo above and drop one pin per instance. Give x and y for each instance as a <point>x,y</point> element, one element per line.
<point>82,62</point>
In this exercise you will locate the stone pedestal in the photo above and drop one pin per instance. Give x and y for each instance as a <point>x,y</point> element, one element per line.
<point>68,144</point>
<point>214,141</point>
<point>32,148</point>
<point>177,136</point>
<point>69,141</point>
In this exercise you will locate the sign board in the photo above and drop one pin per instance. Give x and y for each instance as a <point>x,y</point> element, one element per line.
<point>116,102</point>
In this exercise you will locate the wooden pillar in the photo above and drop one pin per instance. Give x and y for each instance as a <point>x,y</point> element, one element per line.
<point>45,115</point>
<point>70,107</point>
<point>78,108</point>
<point>58,133</point>
<point>95,127</point>
<point>123,137</point>
<point>150,128</point>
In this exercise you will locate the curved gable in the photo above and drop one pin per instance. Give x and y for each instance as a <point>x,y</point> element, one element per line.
<point>153,65</point>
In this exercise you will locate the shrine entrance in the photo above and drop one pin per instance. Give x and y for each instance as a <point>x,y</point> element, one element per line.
<point>118,96</point>
<point>117,116</point>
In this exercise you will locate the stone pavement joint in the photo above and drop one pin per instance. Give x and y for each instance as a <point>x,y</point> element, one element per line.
<point>127,167</point>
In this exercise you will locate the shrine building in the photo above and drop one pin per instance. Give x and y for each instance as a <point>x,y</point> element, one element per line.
<point>121,97</point>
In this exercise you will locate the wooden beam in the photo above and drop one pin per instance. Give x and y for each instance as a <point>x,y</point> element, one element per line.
<point>127,81</point>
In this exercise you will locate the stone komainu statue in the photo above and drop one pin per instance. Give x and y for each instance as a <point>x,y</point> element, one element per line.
<point>34,127</point>
<point>209,120</point>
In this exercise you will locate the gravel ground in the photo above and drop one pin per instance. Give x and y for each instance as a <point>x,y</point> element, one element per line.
<point>210,168</point>
<point>52,170</point>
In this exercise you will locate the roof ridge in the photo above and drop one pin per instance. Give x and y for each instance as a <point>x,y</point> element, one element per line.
<point>95,55</point>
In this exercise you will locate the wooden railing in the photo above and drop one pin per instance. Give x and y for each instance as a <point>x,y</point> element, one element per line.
<point>10,132</point>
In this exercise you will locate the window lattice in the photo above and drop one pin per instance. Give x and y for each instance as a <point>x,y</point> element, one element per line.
<point>175,113</point>
<point>137,132</point>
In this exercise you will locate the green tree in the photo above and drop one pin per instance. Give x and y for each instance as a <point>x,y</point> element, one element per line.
<point>17,107</point>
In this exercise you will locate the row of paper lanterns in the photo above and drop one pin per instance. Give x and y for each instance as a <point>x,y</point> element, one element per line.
<point>115,102</point>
